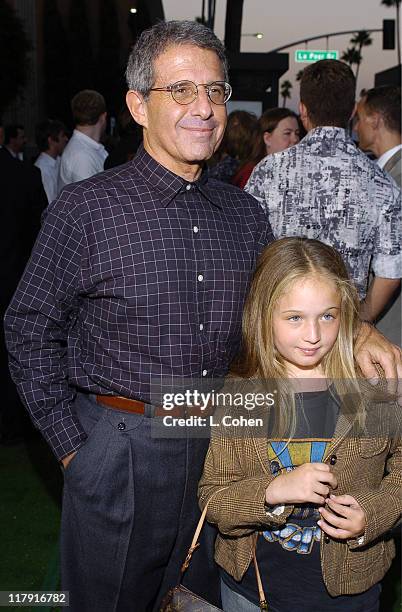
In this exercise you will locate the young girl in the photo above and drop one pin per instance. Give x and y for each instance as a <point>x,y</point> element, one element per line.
<point>315,495</point>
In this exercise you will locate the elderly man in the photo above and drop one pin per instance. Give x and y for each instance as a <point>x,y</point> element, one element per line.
<point>139,273</point>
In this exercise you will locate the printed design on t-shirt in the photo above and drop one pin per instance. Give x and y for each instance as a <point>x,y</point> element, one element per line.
<point>286,456</point>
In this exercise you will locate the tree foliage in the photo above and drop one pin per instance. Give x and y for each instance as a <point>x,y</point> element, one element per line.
<point>286,87</point>
<point>14,48</point>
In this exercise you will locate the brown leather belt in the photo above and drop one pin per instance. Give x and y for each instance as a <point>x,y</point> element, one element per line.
<point>117,402</point>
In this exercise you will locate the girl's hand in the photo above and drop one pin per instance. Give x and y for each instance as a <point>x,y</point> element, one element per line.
<point>310,482</point>
<point>349,520</point>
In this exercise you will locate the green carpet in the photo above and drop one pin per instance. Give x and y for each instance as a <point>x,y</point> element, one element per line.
<point>30,485</point>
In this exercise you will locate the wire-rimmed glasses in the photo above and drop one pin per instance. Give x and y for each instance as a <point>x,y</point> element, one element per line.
<point>185,92</point>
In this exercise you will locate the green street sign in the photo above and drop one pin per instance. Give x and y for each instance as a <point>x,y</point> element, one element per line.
<point>306,55</point>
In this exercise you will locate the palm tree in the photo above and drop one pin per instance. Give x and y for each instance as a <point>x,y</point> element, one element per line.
<point>361,39</point>
<point>396,4</point>
<point>299,75</point>
<point>285,91</point>
<point>351,56</point>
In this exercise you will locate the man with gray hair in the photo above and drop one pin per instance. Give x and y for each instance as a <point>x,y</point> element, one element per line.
<point>139,274</point>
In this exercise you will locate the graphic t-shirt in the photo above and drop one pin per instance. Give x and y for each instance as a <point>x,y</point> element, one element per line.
<point>289,556</point>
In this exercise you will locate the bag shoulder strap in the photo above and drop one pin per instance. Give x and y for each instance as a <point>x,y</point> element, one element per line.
<point>195,544</point>
<point>261,593</point>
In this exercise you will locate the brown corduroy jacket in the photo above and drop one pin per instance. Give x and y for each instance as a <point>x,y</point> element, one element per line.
<point>237,473</point>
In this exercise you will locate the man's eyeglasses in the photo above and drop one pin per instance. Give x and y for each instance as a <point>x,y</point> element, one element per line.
<point>185,92</point>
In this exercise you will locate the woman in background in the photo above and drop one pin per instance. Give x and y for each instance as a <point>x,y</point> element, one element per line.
<point>278,129</point>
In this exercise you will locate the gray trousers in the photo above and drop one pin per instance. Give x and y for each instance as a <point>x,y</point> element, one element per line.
<point>129,513</point>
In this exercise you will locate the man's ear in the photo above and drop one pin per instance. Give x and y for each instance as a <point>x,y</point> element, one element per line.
<point>374,120</point>
<point>304,116</point>
<point>137,107</point>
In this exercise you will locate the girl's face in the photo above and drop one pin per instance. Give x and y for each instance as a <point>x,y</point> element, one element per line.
<point>285,135</point>
<point>306,324</point>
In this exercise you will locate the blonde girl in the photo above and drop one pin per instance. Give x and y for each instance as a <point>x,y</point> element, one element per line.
<point>319,490</point>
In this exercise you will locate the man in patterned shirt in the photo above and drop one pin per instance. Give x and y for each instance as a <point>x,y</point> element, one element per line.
<point>325,188</point>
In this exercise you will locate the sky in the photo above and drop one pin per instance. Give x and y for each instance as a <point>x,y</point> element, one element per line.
<point>284,21</point>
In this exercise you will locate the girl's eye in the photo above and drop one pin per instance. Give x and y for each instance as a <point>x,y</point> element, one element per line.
<point>294,318</point>
<point>328,317</point>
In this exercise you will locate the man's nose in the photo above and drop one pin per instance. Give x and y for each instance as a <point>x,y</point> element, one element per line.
<point>202,105</point>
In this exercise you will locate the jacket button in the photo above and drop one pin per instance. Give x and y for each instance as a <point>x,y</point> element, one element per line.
<point>333,459</point>
<point>327,539</point>
<point>121,426</point>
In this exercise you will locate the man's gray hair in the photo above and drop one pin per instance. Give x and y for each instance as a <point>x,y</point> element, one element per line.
<point>155,41</point>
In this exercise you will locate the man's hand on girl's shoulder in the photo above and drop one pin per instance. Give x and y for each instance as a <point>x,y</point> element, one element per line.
<point>373,348</point>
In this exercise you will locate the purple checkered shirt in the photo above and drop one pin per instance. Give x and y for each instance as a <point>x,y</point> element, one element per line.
<point>136,274</point>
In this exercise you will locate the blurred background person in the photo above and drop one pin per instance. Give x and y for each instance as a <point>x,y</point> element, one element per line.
<point>378,125</point>
<point>23,200</point>
<point>236,146</point>
<point>84,154</point>
<point>51,139</point>
<point>277,130</point>
<point>14,140</point>
<point>129,138</point>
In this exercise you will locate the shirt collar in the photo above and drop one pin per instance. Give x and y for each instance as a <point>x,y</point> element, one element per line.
<point>169,184</point>
<point>48,159</point>
<point>88,140</point>
<point>326,132</point>
<point>382,160</point>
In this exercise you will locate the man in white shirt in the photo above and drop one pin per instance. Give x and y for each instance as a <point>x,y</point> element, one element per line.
<point>84,155</point>
<point>378,125</point>
<point>51,139</point>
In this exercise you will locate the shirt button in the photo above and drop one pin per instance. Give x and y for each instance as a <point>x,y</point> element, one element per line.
<point>201,326</point>
<point>333,459</point>
<point>326,539</point>
<point>308,226</point>
<point>200,277</point>
<point>121,426</point>
<point>188,187</point>
<point>195,229</point>
<point>204,372</point>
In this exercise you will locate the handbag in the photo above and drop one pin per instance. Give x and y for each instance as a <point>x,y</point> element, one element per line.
<point>181,599</point>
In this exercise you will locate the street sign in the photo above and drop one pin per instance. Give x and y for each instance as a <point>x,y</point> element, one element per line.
<point>307,55</point>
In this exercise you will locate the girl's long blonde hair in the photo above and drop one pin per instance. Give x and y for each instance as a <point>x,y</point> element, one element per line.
<point>282,263</point>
